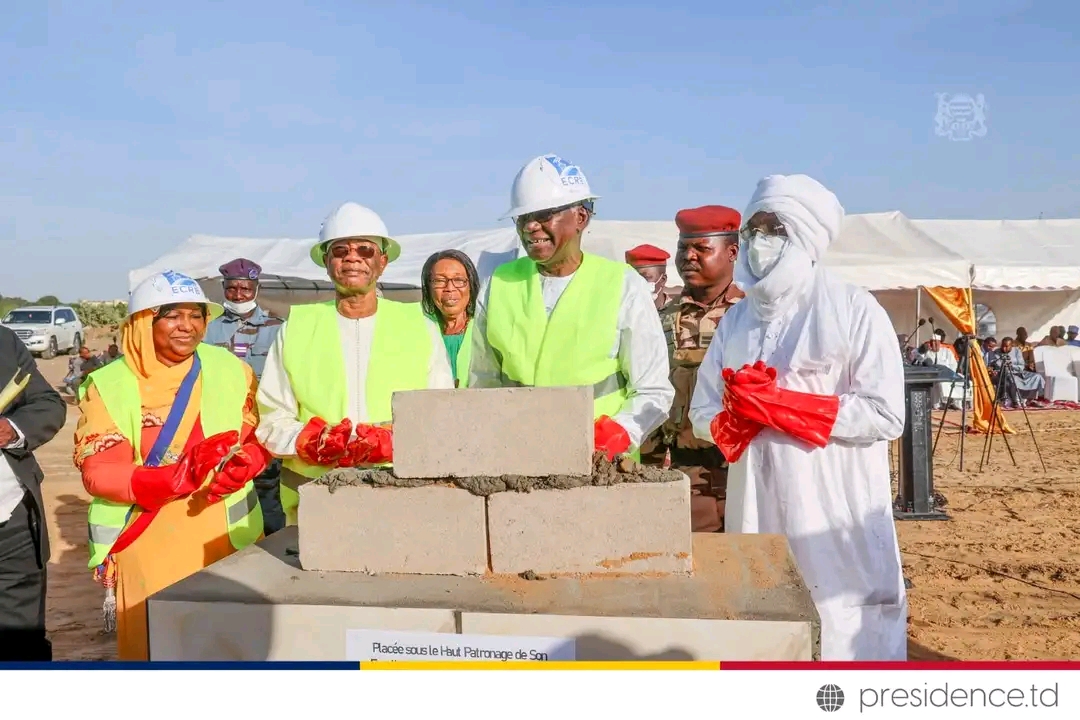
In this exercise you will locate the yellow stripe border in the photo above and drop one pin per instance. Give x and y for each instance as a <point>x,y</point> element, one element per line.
<point>535,665</point>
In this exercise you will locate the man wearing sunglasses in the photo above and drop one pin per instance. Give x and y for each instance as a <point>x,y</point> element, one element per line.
<point>324,398</point>
<point>563,317</point>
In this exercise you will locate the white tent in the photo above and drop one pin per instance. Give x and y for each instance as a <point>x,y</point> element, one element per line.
<point>880,250</point>
<point>1027,272</point>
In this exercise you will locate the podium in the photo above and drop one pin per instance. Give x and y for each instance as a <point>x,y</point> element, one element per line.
<point>916,477</point>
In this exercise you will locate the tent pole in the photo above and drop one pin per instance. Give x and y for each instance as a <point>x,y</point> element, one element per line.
<point>918,314</point>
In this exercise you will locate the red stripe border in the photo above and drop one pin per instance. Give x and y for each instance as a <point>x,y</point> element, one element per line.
<point>939,665</point>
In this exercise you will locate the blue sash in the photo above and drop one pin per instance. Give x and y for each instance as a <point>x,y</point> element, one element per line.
<point>176,413</point>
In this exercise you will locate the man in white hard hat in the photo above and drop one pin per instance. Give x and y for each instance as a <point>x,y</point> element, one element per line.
<point>324,398</point>
<point>560,316</point>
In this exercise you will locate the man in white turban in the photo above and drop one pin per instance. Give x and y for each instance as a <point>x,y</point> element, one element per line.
<point>802,389</point>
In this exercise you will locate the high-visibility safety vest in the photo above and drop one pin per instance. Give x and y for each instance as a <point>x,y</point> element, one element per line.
<point>464,357</point>
<point>224,393</point>
<point>400,356</point>
<point>573,347</point>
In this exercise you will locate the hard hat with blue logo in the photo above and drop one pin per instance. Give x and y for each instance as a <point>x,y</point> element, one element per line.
<point>545,183</point>
<point>354,222</point>
<point>168,288</point>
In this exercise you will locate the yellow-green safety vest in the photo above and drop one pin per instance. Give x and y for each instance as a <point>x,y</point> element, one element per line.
<point>573,347</point>
<point>224,393</point>
<point>311,355</point>
<point>464,357</point>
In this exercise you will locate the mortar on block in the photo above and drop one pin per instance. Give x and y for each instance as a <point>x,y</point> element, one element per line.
<point>500,481</point>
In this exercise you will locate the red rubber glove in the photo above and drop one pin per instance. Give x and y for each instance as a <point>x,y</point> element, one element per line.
<point>373,445</point>
<point>207,453</point>
<point>243,467</point>
<point>153,487</point>
<point>610,437</point>
<point>321,444</point>
<point>752,395</point>
<point>731,433</point>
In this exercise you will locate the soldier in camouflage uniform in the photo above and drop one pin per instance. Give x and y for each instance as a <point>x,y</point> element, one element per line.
<point>708,244</point>
<point>651,264</point>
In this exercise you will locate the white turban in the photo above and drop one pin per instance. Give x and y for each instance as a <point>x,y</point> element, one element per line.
<point>810,213</point>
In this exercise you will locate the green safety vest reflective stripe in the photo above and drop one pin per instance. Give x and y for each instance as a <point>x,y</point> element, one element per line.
<point>224,393</point>
<point>571,348</point>
<point>464,357</point>
<point>400,356</point>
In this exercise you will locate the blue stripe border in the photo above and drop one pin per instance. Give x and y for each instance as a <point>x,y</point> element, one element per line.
<point>109,665</point>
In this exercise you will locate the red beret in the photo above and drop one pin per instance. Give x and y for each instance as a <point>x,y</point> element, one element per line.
<point>644,255</point>
<point>708,220</point>
<point>240,269</point>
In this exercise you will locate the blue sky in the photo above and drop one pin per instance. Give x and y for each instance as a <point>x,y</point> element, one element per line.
<point>126,127</point>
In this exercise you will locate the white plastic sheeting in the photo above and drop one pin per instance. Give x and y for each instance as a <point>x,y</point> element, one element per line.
<point>1013,254</point>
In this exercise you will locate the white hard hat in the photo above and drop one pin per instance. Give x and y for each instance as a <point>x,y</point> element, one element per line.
<point>354,222</point>
<point>545,183</point>
<point>169,287</point>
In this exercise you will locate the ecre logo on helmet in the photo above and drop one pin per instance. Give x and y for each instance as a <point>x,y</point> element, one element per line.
<point>569,174</point>
<point>181,284</point>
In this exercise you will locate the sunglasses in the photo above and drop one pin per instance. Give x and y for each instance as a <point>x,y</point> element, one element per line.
<point>364,252</point>
<point>545,216</point>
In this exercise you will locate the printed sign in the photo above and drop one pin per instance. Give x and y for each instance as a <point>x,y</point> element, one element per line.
<point>367,645</point>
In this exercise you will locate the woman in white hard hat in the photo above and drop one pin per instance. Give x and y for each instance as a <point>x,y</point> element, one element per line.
<point>324,396</point>
<point>561,316</point>
<point>448,289</point>
<point>165,446</point>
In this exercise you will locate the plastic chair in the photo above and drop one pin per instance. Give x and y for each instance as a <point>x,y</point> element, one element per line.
<point>1055,365</point>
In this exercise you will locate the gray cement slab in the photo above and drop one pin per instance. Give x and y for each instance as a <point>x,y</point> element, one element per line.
<point>736,577</point>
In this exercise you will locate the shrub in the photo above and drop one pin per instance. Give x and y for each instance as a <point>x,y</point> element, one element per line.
<point>101,314</point>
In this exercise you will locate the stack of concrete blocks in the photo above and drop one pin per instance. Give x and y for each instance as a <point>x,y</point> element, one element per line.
<point>439,529</point>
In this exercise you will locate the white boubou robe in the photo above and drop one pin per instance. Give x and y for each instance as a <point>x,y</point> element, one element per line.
<point>834,504</point>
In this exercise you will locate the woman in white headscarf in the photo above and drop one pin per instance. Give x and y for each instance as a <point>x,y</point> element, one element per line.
<point>808,429</point>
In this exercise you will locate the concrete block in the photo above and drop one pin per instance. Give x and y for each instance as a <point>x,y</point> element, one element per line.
<point>626,528</point>
<point>492,432</point>
<point>745,601</point>
<point>433,530</point>
<point>601,638</point>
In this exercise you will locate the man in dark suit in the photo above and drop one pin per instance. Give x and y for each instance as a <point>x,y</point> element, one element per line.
<point>32,419</point>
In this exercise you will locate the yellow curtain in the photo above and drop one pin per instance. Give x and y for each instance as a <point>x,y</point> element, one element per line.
<point>958,307</point>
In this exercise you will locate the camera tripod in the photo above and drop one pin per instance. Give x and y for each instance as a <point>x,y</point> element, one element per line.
<point>1005,373</point>
<point>963,372</point>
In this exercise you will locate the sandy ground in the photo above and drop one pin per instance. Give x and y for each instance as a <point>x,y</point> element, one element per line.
<point>999,581</point>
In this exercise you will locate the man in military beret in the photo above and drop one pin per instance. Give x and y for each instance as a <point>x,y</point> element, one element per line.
<point>248,331</point>
<point>651,264</point>
<point>705,259</point>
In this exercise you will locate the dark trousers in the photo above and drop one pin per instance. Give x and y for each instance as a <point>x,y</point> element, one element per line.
<point>707,471</point>
<point>22,587</point>
<point>268,488</point>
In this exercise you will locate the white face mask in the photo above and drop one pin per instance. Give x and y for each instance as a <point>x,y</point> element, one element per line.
<point>763,252</point>
<point>239,308</point>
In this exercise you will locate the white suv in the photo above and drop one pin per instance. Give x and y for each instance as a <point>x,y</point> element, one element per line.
<point>46,330</point>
